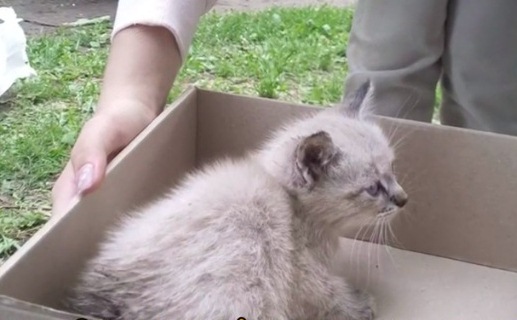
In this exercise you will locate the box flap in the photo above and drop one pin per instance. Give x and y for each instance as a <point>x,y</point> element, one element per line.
<point>13,309</point>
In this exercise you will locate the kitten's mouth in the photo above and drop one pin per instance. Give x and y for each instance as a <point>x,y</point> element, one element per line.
<point>386,212</point>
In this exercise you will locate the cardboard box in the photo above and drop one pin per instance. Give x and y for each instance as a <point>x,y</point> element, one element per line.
<point>456,255</point>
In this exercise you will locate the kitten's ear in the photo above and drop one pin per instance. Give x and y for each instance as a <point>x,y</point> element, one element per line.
<point>314,154</point>
<point>354,103</point>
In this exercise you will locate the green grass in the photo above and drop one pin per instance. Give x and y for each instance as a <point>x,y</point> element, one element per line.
<point>288,54</point>
<point>39,120</point>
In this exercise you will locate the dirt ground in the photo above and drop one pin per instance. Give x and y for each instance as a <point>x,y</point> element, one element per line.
<point>43,13</point>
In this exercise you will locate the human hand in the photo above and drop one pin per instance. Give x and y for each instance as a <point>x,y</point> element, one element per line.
<point>134,91</point>
<point>102,137</point>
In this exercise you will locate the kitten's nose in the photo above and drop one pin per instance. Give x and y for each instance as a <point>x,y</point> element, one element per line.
<point>399,199</point>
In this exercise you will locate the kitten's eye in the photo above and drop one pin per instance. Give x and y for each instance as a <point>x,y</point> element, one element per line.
<point>374,189</point>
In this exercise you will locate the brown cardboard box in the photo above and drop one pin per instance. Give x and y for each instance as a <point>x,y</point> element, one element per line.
<point>456,254</point>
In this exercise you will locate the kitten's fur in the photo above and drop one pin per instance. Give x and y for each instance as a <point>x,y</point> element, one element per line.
<point>252,237</point>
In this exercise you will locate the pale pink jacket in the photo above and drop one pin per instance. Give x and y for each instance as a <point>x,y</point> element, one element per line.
<point>180,17</point>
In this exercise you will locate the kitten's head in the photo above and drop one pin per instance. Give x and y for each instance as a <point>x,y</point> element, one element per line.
<point>338,163</point>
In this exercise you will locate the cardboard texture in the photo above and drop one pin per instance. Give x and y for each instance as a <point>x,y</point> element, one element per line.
<point>455,253</point>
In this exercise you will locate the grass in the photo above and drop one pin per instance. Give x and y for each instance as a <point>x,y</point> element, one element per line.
<point>40,118</point>
<point>289,54</point>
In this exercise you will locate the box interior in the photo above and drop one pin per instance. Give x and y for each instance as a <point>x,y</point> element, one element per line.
<point>454,256</point>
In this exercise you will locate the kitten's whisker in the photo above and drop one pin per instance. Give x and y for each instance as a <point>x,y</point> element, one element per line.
<point>397,141</point>
<point>394,139</point>
<point>388,248</point>
<point>389,236</point>
<point>396,144</point>
<point>368,253</point>
<point>380,243</point>
<point>392,134</point>
<point>371,245</point>
<point>408,216</point>
<point>403,179</point>
<point>393,236</point>
<point>385,236</point>
<point>410,109</point>
<point>364,242</point>
<point>355,242</point>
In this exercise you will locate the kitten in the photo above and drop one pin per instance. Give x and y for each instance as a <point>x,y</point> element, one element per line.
<point>252,237</point>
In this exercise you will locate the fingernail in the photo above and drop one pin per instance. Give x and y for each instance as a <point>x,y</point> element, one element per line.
<point>85,177</point>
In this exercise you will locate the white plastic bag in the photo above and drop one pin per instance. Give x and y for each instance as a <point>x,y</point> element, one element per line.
<point>14,63</point>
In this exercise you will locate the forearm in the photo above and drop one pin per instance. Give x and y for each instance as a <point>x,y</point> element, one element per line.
<point>141,68</point>
<point>150,42</point>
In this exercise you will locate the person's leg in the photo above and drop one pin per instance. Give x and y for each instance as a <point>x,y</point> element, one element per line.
<point>398,44</point>
<point>480,66</point>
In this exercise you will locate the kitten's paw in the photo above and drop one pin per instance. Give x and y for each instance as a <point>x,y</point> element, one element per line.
<point>367,313</point>
<point>367,306</point>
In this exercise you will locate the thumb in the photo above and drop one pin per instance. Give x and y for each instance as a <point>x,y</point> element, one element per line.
<point>72,182</point>
<point>95,144</point>
<point>99,141</point>
<point>90,170</point>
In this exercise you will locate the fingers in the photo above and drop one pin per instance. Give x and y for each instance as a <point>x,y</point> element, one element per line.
<point>63,191</point>
<point>89,155</point>
<point>98,140</point>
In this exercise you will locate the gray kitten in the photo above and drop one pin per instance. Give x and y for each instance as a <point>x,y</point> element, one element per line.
<point>252,237</point>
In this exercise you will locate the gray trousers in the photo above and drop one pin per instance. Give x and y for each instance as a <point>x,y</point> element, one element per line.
<point>405,47</point>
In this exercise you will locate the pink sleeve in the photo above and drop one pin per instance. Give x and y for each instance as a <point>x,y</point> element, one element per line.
<point>180,17</point>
